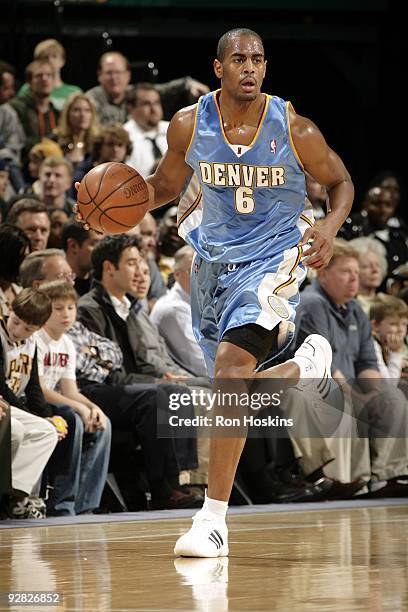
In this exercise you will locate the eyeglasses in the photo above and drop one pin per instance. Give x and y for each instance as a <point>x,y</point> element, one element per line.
<point>67,275</point>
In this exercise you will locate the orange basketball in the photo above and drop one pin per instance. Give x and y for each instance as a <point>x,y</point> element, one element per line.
<point>112,198</point>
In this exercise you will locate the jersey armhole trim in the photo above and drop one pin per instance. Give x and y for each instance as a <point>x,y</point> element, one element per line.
<point>289,106</point>
<point>194,128</point>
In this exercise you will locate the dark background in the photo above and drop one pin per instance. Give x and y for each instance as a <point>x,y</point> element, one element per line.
<point>345,68</point>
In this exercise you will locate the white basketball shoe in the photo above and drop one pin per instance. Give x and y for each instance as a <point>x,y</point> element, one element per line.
<point>208,537</point>
<point>316,354</point>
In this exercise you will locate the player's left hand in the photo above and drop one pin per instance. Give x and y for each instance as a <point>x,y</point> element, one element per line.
<point>320,247</point>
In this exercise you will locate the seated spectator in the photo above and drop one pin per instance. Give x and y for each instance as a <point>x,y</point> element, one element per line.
<point>328,307</point>
<point>389,320</point>
<point>56,372</point>
<point>111,144</point>
<point>11,132</point>
<point>5,452</point>
<point>390,180</point>
<point>146,127</point>
<point>52,51</point>
<point>168,243</point>
<point>377,219</point>
<point>48,264</point>
<point>33,438</point>
<point>58,218</point>
<point>397,281</point>
<point>77,128</point>
<point>108,311</point>
<point>114,77</point>
<point>14,246</point>
<point>35,111</point>
<point>31,215</point>
<point>78,245</point>
<point>4,188</point>
<point>128,398</point>
<point>7,82</point>
<point>172,316</point>
<point>146,231</point>
<point>55,180</point>
<point>373,269</point>
<point>36,155</point>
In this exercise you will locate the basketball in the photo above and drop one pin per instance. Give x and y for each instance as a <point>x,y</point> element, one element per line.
<point>112,198</point>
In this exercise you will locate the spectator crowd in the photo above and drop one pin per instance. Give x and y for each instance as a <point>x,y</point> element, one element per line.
<point>96,331</point>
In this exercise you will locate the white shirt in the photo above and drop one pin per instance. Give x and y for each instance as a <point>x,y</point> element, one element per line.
<point>122,307</point>
<point>172,315</point>
<point>56,358</point>
<point>390,372</point>
<point>142,157</point>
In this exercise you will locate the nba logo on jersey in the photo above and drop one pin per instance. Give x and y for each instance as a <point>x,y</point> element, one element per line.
<point>273,145</point>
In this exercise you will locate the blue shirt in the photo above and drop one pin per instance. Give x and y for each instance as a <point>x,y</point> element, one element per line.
<point>243,202</point>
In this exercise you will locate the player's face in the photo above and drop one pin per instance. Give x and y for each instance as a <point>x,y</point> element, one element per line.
<point>341,280</point>
<point>18,330</point>
<point>243,68</point>
<point>62,317</point>
<point>148,110</point>
<point>36,227</point>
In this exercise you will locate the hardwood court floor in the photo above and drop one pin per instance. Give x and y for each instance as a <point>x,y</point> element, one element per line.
<point>325,560</point>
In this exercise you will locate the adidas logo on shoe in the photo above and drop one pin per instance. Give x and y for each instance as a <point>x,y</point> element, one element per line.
<point>216,539</point>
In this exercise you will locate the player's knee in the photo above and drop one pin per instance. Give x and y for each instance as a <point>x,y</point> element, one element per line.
<point>227,370</point>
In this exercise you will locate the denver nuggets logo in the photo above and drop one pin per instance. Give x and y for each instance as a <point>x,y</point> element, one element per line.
<point>278,306</point>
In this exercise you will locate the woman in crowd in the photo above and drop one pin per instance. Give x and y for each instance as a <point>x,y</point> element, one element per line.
<point>373,269</point>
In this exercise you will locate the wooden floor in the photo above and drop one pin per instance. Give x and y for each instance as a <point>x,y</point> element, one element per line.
<point>328,560</point>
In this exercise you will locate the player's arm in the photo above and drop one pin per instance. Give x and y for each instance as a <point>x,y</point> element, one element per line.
<point>326,167</point>
<point>172,172</point>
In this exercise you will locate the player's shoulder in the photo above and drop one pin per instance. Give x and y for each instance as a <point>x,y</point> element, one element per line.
<point>181,128</point>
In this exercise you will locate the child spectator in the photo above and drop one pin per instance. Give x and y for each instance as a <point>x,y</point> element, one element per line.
<point>56,370</point>
<point>389,321</point>
<point>32,438</point>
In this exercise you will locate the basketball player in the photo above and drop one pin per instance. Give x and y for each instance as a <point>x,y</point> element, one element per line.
<point>238,158</point>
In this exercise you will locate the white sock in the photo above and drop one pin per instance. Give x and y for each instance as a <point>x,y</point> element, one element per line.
<point>216,507</point>
<point>306,366</point>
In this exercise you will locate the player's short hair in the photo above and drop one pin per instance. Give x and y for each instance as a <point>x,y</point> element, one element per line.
<point>32,306</point>
<point>387,306</point>
<point>226,38</point>
<point>32,267</point>
<point>59,290</point>
<point>47,46</point>
<point>110,248</point>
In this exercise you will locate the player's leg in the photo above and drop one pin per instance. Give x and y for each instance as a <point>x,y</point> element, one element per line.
<point>208,536</point>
